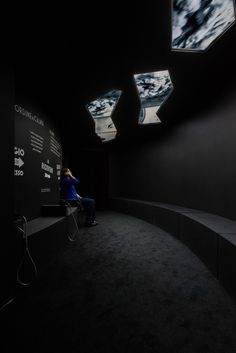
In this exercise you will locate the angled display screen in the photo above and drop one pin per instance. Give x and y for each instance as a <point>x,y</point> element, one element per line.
<point>101,110</point>
<point>153,89</point>
<point>196,24</point>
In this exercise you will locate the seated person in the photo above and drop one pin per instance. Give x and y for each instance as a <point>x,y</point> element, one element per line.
<point>70,195</point>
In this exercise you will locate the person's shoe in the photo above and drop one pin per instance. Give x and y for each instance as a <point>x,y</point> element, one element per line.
<point>91,224</point>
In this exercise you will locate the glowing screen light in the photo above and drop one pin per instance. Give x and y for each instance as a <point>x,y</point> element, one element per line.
<point>197,23</point>
<point>153,89</point>
<point>101,110</point>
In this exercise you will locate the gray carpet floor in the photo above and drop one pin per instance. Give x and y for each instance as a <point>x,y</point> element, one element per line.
<point>124,286</point>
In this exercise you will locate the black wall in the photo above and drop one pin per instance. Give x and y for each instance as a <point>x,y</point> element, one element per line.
<point>192,164</point>
<point>8,241</point>
<point>91,167</point>
<point>68,67</point>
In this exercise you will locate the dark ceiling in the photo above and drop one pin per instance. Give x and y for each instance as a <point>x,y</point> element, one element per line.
<point>64,60</point>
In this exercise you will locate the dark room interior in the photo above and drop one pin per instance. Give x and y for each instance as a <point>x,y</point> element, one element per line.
<point>157,274</point>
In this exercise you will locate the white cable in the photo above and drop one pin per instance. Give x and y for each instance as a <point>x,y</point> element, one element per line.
<point>71,213</point>
<point>25,236</point>
<point>7,303</point>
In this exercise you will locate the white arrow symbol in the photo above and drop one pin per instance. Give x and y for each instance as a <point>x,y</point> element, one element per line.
<point>19,162</point>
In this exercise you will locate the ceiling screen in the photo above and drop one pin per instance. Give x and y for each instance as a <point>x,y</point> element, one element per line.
<point>101,110</point>
<point>196,24</point>
<point>153,89</point>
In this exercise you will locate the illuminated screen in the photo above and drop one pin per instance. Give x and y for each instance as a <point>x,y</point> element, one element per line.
<point>37,162</point>
<point>197,23</point>
<point>101,110</point>
<point>153,89</point>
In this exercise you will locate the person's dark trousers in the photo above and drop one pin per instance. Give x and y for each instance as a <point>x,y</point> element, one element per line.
<point>89,207</point>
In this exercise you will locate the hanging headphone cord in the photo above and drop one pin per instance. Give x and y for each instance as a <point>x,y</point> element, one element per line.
<point>71,213</point>
<point>25,236</point>
<point>7,303</point>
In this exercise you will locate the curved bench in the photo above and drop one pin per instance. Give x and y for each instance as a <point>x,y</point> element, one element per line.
<point>212,238</point>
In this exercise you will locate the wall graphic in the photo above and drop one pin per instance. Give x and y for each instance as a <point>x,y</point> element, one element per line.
<point>37,162</point>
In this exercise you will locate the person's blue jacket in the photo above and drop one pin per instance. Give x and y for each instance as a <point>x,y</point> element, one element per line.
<point>68,190</point>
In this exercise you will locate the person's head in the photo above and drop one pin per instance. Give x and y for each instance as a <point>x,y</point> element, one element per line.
<point>65,172</point>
